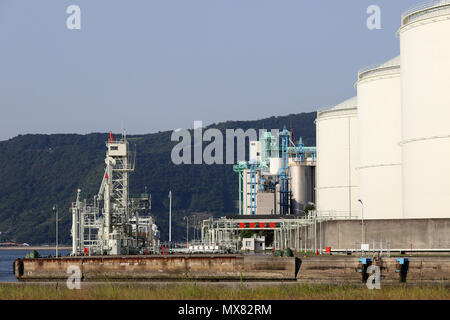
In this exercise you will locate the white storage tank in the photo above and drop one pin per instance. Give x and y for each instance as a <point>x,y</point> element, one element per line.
<point>337,149</point>
<point>379,125</point>
<point>275,165</point>
<point>302,184</point>
<point>425,59</point>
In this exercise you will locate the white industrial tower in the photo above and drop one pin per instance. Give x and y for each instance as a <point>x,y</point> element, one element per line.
<point>114,193</point>
<point>113,225</point>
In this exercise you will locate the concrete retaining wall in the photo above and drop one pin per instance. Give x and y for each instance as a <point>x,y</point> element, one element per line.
<point>311,269</point>
<point>344,269</point>
<point>179,267</point>
<point>402,233</point>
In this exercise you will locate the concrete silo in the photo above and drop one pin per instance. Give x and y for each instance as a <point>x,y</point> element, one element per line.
<point>379,123</point>
<point>337,150</point>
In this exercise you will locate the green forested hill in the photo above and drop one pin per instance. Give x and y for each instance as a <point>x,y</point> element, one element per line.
<point>38,171</point>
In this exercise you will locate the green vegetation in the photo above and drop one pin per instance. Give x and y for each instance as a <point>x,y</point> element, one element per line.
<point>308,209</point>
<point>38,171</point>
<point>202,292</point>
<point>33,254</point>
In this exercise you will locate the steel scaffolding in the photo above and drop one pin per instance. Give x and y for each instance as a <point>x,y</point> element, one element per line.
<point>299,233</point>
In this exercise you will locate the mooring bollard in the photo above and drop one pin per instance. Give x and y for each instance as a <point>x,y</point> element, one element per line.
<point>402,268</point>
<point>363,264</point>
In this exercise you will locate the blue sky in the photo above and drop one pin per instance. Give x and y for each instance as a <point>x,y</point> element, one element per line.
<point>154,65</point>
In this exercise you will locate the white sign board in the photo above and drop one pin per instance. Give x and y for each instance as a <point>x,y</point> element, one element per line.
<point>365,247</point>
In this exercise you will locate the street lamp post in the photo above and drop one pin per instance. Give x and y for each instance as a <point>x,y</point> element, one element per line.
<point>363,236</point>
<point>170,217</point>
<point>187,231</point>
<point>55,210</point>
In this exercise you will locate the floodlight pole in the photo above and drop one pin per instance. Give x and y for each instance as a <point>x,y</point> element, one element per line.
<point>170,217</point>
<point>363,236</point>
<point>55,210</point>
<point>187,232</point>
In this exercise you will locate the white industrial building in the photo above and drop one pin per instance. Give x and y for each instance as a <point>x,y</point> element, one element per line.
<point>381,161</point>
<point>254,244</point>
<point>384,156</point>
<point>279,178</point>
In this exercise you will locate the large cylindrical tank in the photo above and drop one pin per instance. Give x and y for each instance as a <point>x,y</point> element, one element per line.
<point>425,59</point>
<point>337,146</point>
<point>302,183</point>
<point>379,125</point>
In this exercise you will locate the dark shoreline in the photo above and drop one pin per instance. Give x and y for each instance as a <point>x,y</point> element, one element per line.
<point>34,248</point>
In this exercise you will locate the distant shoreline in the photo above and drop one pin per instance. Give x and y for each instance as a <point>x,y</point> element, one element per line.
<point>34,248</point>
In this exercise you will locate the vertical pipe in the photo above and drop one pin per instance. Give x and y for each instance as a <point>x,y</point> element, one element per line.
<point>362,222</point>
<point>349,172</point>
<point>315,232</point>
<point>75,218</point>
<point>275,200</point>
<point>320,236</point>
<point>107,201</point>
<point>73,230</point>
<point>303,238</point>
<point>80,217</point>
<point>89,232</point>
<point>253,184</point>
<point>137,229</point>
<point>170,216</point>
<point>306,238</point>
<point>240,192</point>
<point>56,213</point>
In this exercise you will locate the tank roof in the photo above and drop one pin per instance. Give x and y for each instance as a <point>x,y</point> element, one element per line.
<point>388,65</point>
<point>426,10</point>
<point>349,104</point>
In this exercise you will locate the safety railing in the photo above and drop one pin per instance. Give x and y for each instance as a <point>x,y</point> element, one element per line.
<point>336,215</point>
<point>427,8</point>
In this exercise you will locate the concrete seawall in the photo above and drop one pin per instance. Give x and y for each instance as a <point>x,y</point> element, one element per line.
<point>176,267</point>
<point>402,233</point>
<point>311,269</point>
<point>344,269</point>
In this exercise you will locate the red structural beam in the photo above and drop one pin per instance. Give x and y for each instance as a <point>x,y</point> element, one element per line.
<point>256,225</point>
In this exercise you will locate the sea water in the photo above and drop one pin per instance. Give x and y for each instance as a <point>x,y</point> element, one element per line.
<point>7,258</point>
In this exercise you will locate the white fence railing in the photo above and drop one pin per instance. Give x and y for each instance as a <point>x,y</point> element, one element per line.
<point>424,9</point>
<point>336,215</point>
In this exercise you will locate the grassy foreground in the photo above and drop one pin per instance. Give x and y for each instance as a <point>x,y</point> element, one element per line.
<point>202,292</point>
